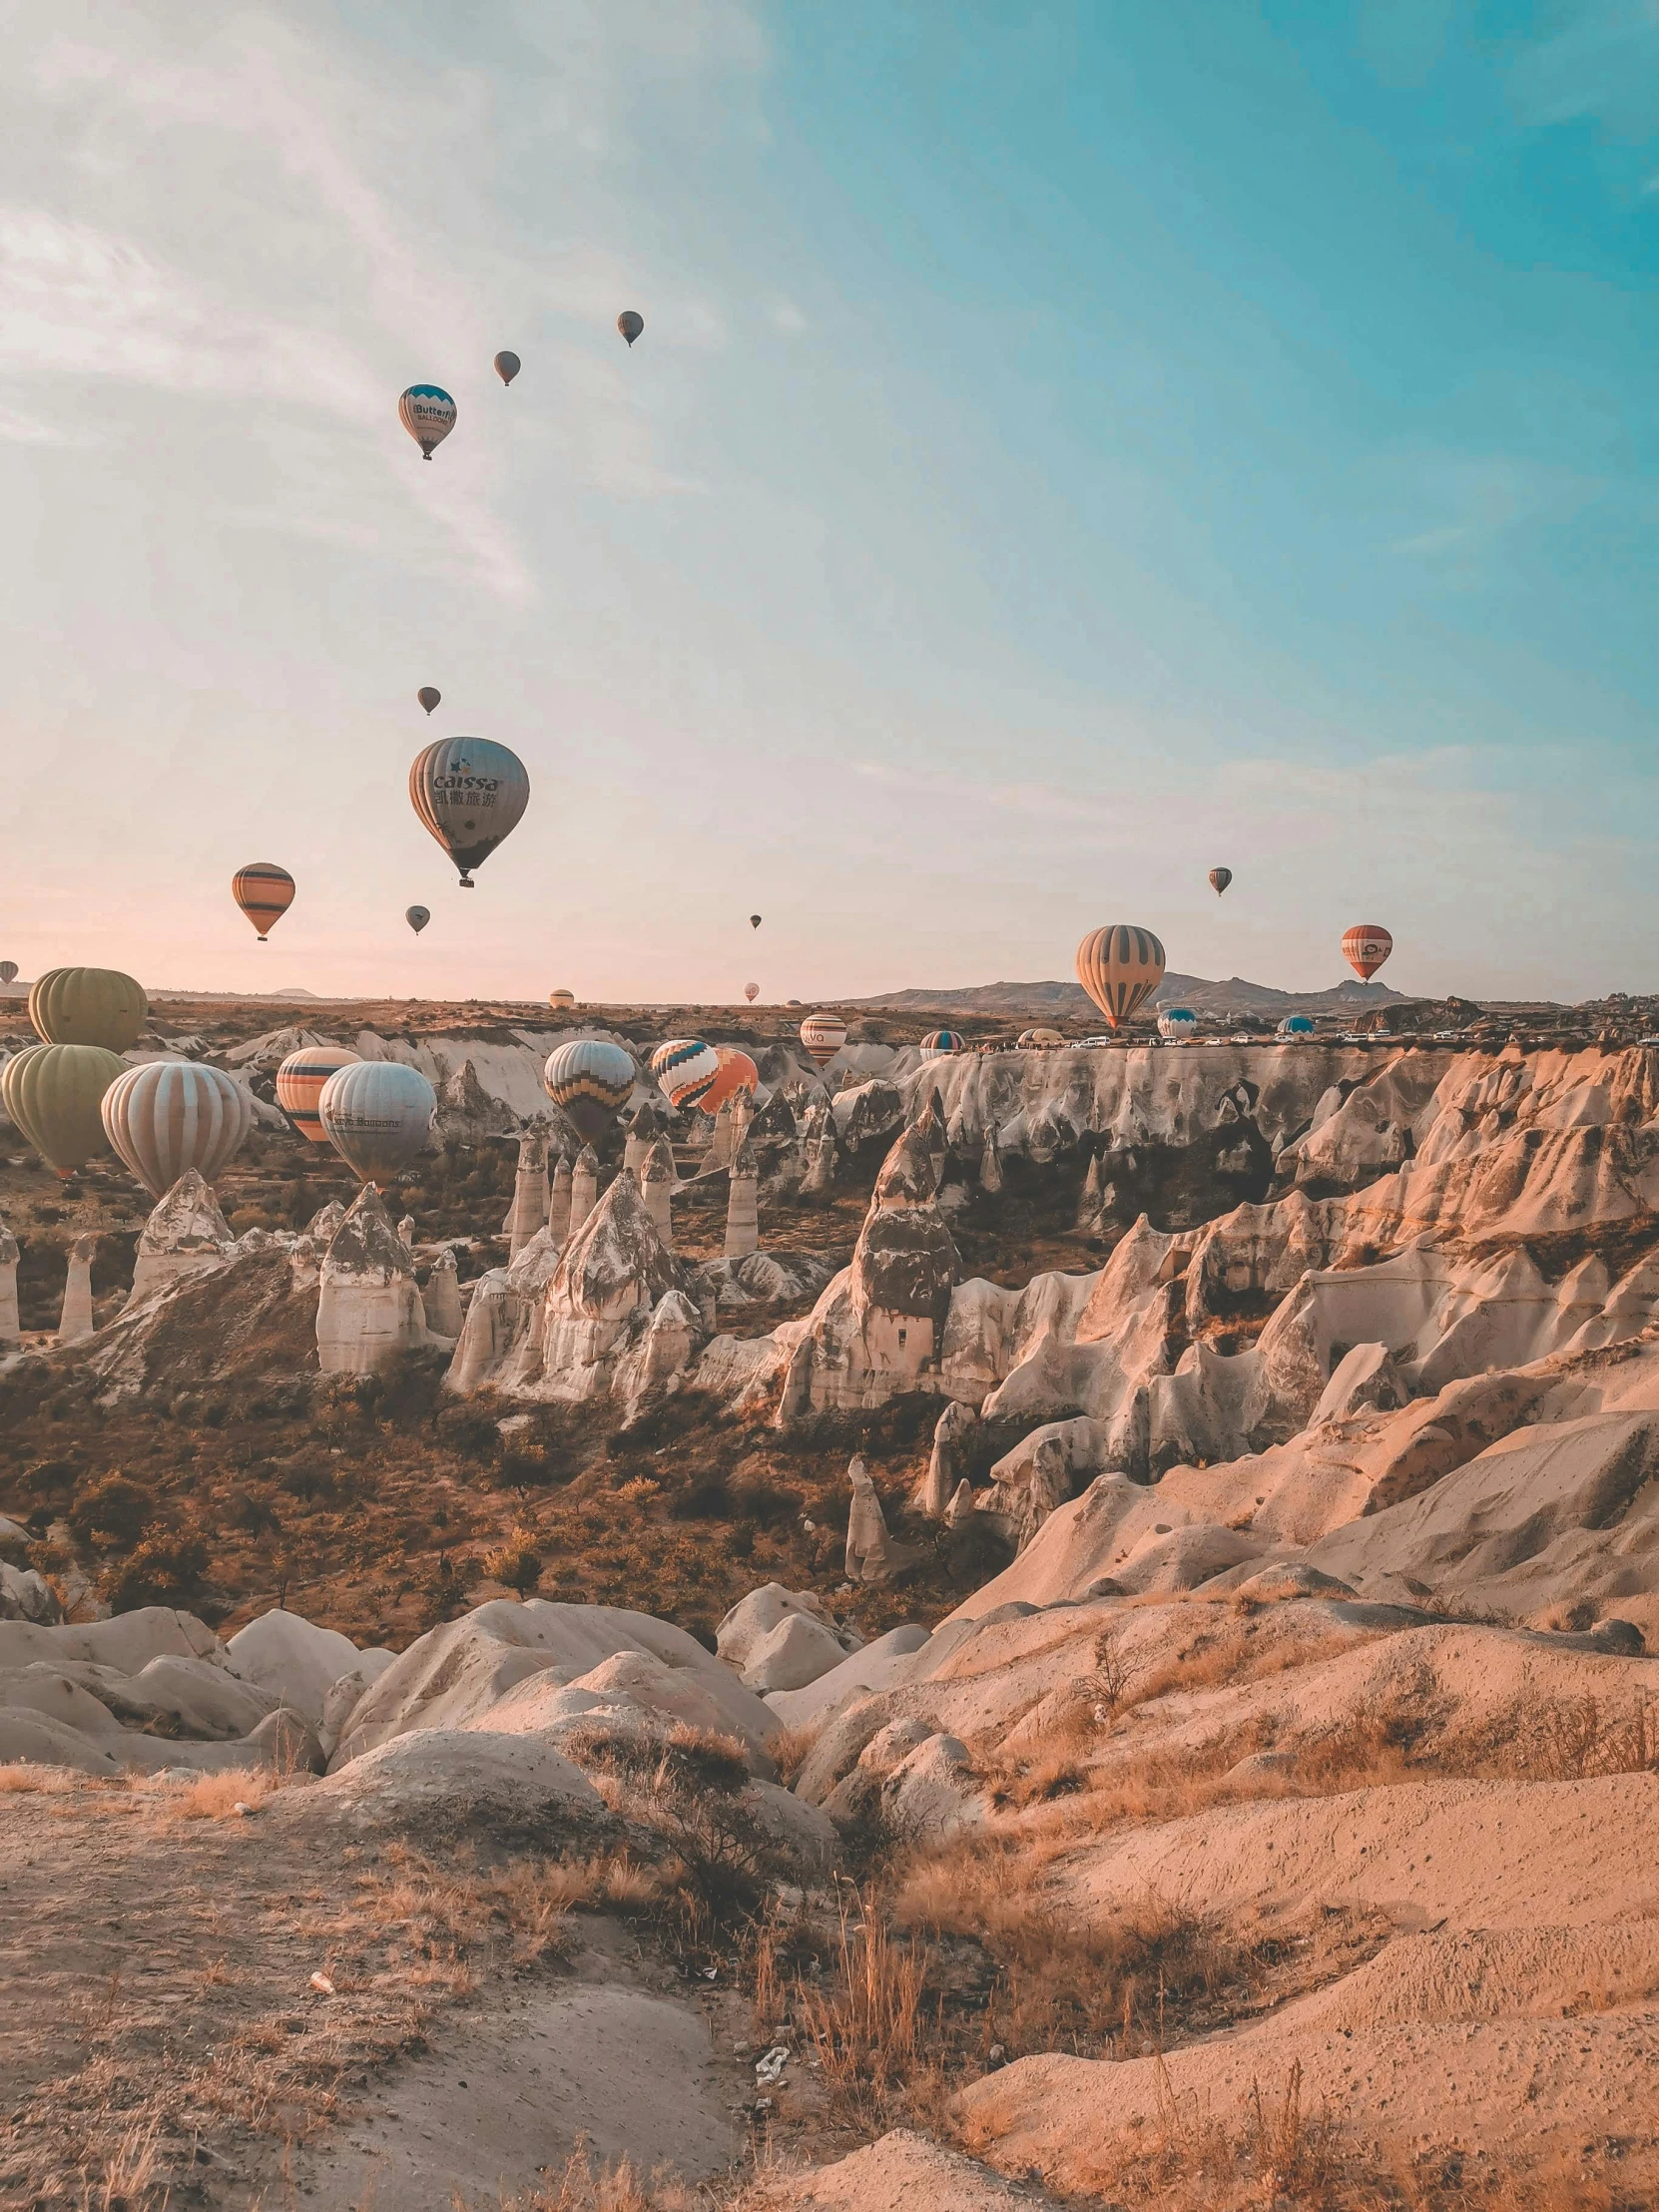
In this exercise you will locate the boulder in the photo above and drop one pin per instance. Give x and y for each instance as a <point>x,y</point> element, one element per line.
<point>752,1619</point>
<point>885,1661</point>
<point>933,1792</point>
<point>441,1781</point>
<point>294,1659</point>
<point>369,1309</point>
<point>798,1651</point>
<point>185,1233</point>
<point>26,1595</point>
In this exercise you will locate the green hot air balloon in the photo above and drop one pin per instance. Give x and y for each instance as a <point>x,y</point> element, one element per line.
<point>88,1005</point>
<point>55,1094</point>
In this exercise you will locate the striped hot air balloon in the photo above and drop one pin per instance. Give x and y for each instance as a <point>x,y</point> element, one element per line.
<point>1220,878</point>
<point>88,1005</point>
<point>589,1080</point>
<point>470,793</point>
<point>1037,1040</point>
<point>1364,947</point>
<point>1120,966</point>
<point>427,412</point>
<point>940,1042</point>
<point>561,999</point>
<point>1176,1022</point>
<point>8,971</point>
<point>376,1114</point>
<point>685,1069</point>
<point>822,1035</point>
<point>1295,1028</point>
<point>300,1082</point>
<point>265,892</point>
<point>736,1072</point>
<point>165,1116</point>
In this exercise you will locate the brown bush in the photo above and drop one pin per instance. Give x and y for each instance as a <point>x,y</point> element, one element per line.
<point>164,1569</point>
<point>113,1513</point>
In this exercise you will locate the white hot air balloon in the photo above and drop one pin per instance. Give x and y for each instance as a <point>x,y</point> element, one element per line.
<point>165,1116</point>
<point>376,1115</point>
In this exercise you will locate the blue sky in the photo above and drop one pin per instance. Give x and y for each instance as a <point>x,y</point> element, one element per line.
<point>1070,448</point>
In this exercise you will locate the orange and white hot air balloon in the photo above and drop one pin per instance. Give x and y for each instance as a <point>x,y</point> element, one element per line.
<point>738,1072</point>
<point>1364,947</point>
<point>822,1035</point>
<point>1120,966</point>
<point>265,892</point>
<point>300,1082</point>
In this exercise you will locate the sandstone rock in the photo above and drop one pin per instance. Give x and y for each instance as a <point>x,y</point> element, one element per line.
<point>990,1164</point>
<point>76,1320</point>
<point>368,1310</point>
<point>743,1234</point>
<point>528,1212</point>
<point>933,1792</point>
<point>1032,1483</point>
<point>444,1780</point>
<point>441,1299</point>
<point>294,1659</point>
<point>946,1465</point>
<point>10,1327</point>
<point>656,1175</point>
<point>870,1549</point>
<point>559,1201</point>
<point>26,1595</point>
<point>584,1190</point>
<point>866,1112</point>
<point>754,1618</point>
<point>798,1651</point>
<point>883,1661</point>
<point>185,1233</point>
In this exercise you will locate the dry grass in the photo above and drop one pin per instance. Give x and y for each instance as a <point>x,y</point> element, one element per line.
<point>232,1793</point>
<point>618,2187</point>
<point>790,1747</point>
<point>867,2024</point>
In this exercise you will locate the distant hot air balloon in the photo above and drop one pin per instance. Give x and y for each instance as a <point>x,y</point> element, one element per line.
<point>430,697</point>
<point>561,999</point>
<point>8,971</point>
<point>1177,1021</point>
<point>300,1082</point>
<point>685,1069</point>
<point>589,1080</point>
<point>753,921</point>
<point>752,992</point>
<point>417,918</point>
<point>88,1005</point>
<point>630,324</point>
<point>265,892</point>
<point>507,366</point>
<point>53,1093</point>
<point>822,1035</point>
<point>376,1114</point>
<point>1220,878</point>
<point>470,793</point>
<point>1120,966</point>
<point>938,1044</point>
<point>165,1116</point>
<point>1035,1040</point>
<point>1295,1027</point>
<point>1364,947</point>
<point>736,1072</point>
<point>427,412</point>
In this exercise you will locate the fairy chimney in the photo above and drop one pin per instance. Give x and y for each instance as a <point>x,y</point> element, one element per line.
<point>185,1233</point>
<point>742,1220</point>
<point>867,1544</point>
<point>656,1176</point>
<point>584,1189</point>
<point>530,1193</point>
<point>11,1330</point>
<point>558,1204</point>
<point>369,1309</point>
<point>442,1296</point>
<point>77,1320</point>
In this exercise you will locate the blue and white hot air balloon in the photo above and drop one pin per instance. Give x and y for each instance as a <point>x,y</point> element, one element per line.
<point>1296,1028</point>
<point>1176,1023</point>
<point>938,1044</point>
<point>686,1070</point>
<point>427,412</point>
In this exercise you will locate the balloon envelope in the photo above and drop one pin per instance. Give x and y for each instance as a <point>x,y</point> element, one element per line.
<point>427,412</point>
<point>53,1092</point>
<point>300,1082</point>
<point>630,324</point>
<point>430,697</point>
<point>752,992</point>
<point>376,1115</point>
<point>1120,966</point>
<point>589,1080</point>
<point>938,1043</point>
<point>736,1072</point>
<point>470,793</point>
<point>8,971</point>
<point>507,366</point>
<point>417,918</point>
<point>1295,1025</point>
<point>88,1005</point>
<point>753,921</point>
<point>165,1116</point>
<point>1220,878</point>
<point>561,998</point>
<point>822,1035</point>
<point>265,892</point>
<point>685,1069</point>
<point>1366,946</point>
<point>1035,1039</point>
<point>1177,1021</point>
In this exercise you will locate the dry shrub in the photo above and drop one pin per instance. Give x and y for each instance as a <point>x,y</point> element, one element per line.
<point>613,2188</point>
<point>1574,1739</point>
<point>219,1797</point>
<point>131,2174</point>
<point>791,1747</point>
<point>866,2023</point>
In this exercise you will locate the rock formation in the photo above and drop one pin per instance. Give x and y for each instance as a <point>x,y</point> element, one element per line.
<point>990,1163</point>
<point>656,1174</point>
<point>819,1145</point>
<point>11,1330</point>
<point>77,1320</point>
<point>406,1232</point>
<point>743,1234</point>
<point>584,1191</point>
<point>185,1232</point>
<point>558,1203</point>
<point>869,1546</point>
<point>369,1309</point>
<point>441,1299</point>
<point>946,1463</point>
<point>530,1191</point>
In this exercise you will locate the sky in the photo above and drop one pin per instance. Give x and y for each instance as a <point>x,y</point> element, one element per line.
<point>1070,448</point>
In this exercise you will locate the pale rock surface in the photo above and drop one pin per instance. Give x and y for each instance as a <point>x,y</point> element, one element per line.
<point>185,1233</point>
<point>882,1662</point>
<point>946,1463</point>
<point>528,1212</point>
<point>584,1190</point>
<point>11,1330</point>
<point>901,2172</point>
<point>558,1202</point>
<point>798,1651</point>
<point>754,1618</point>
<point>446,1778</point>
<point>441,1299</point>
<point>933,1792</point>
<point>295,1660</point>
<point>26,1595</point>
<point>369,1309</point>
<point>743,1234</point>
<point>76,1320</point>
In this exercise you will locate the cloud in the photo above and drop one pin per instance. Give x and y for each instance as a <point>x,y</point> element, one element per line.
<point>784,316</point>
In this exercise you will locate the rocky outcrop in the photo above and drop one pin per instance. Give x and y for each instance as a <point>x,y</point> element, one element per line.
<point>946,1463</point>
<point>528,1212</point>
<point>743,1234</point>
<point>11,1330</point>
<point>584,1190</point>
<point>369,1309</point>
<point>76,1320</point>
<point>185,1233</point>
<point>442,1297</point>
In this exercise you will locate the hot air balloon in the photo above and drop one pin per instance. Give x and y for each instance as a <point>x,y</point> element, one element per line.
<point>8,971</point>
<point>88,1005</point>
<point>1120,967</point>
<point>300,1082</point>
<point>427,412</point>
<point>376,1115</point>
<point>507,366</point>
<point>822,1035</point>
<point>1220,878</point>
<point>53,1093</point>
<point>630,324</point>
<point>589,1080</point>
<point>1294,1027</point>
<point>561,999</point>
<point>265,892</point>
<point>753,921</point>
<point>470,793</point>
<point>1364,947</point>
<point>417,918</point>
<point>736,1072</point>
<point>752,992</point>
<point>1177,1022</point>
<point>165,1116</point>
<point>1035,1040</point>
<point>685,1069</point>
<point>430,697</point>
<point>939,1043</point>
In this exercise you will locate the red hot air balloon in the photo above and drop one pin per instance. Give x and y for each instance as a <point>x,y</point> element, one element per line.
<point>1364,947</point>
<point>265,892</point>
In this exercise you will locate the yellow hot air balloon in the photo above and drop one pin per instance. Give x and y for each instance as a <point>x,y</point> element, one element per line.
<point>88,1005</point>
<point>1120,966</point>
<point>55,1093</point>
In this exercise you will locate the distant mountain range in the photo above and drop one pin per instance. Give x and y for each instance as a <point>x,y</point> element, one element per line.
<point>1235,997</point>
